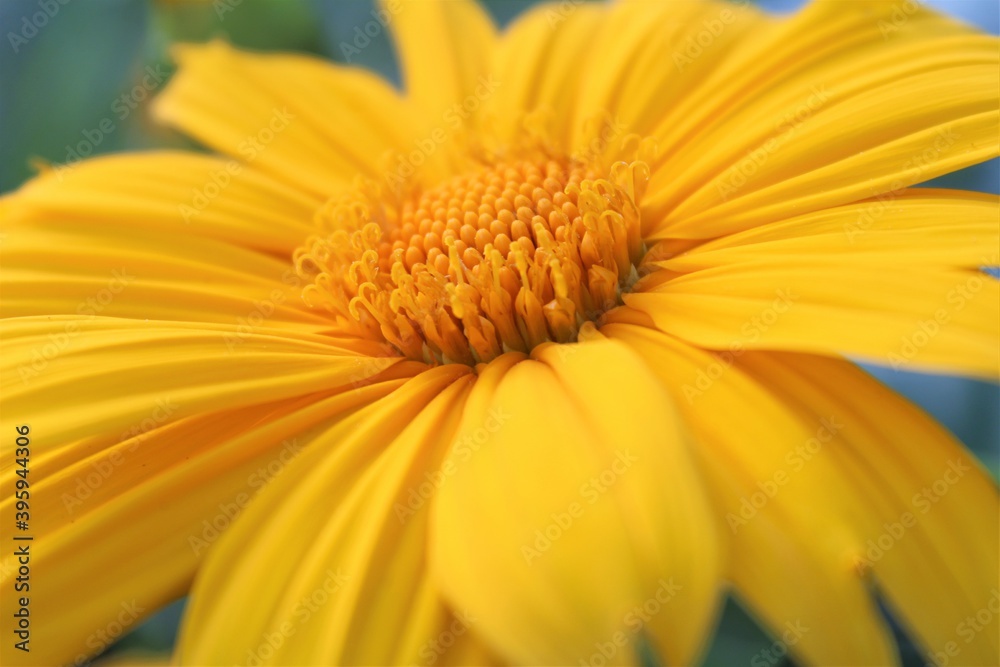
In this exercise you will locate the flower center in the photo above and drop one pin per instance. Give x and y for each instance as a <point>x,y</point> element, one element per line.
<point>503,258</point>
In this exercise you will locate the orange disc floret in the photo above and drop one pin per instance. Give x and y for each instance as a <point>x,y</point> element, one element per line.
<point>502,258</point>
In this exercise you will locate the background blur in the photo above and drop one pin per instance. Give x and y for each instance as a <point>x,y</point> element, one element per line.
<point>63,78</point>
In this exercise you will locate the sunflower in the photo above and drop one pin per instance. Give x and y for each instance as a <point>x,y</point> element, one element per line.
<point>534,362</point>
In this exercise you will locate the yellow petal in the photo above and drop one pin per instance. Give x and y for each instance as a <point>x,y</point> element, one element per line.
<point>161,492</point>
<point>185,194</point>
<point>935,553</point>
<point>920,227</point>
<point>575,519</point>
<point>903,316</point>
<point>822,109</point>
<point>640,69</point>
<point>103,375</point>
<point>58,268</point>
<point>796,524</point>
<point>138,236</point>
<point>310,123</point>
<point>538,64</point>
<point>339,566</point>
<point>444,49</point>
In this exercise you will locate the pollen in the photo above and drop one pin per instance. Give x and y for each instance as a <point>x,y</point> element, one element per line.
<point>503,258</point>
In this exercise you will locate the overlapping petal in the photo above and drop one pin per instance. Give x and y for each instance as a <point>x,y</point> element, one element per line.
<point>185,194</point>
<point>102,375</point>
<point>891,280</point>
<point>932,506</point>
<point>160,489</point>
<point>849,491</point>
<point>444,49</point>
<point>307,122</point>
<point>338,551</point>
<point>833,104</point>
<point>915,227</point>
<point>536,67</point>
<point>577,520</point>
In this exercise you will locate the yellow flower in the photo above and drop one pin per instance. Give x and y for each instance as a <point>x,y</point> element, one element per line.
<point>531,364</point>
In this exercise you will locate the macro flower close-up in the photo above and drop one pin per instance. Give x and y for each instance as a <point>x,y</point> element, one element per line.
<point>555,351</point>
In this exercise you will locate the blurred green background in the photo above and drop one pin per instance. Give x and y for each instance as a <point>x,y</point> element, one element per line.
<point>84,66</point>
